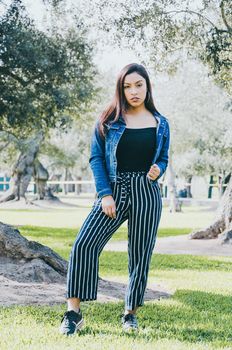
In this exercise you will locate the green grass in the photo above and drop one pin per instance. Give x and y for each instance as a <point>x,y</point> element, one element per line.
<point>66,233</point>
<point>116,262</point>
<point>162,328</point>
<point>61,240</point>
<point>197,315</point>
<point>192,217</point>
<point>190,320</point>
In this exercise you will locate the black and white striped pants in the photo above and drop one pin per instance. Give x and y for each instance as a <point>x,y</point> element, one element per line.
<point>138,201</point>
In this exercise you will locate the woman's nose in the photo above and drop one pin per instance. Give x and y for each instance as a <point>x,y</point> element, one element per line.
<point>133,91</point>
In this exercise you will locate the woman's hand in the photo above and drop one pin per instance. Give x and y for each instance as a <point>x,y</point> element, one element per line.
<point>153,172</point>
<point>108,206</point>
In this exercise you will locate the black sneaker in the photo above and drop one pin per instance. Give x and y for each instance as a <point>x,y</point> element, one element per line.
<point>71,322</point>
<point>129,322</point>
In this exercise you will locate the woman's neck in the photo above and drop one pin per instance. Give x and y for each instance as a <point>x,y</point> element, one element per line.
<point>136,111</point>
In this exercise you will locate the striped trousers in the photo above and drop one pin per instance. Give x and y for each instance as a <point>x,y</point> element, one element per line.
<point>137,201</point>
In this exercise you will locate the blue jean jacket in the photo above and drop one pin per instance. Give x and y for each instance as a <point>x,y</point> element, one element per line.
<point>103,161</point>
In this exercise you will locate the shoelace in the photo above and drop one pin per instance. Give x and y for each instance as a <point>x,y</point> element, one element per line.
<point>68,316</point>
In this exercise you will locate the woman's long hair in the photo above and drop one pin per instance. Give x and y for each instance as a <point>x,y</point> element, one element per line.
<point>119,103</point>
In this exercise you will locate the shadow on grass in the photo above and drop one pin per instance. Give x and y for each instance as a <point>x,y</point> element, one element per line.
<point>117,290</point>
<point>193,317</point>
<point>206,301</point>
<point>199,317</point>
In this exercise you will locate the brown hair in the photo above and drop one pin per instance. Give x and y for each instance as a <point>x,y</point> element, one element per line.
<point>119,103</point>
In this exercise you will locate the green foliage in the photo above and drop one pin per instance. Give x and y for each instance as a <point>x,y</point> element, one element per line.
<point>160,32</point>
<point>61,239</point>
<point>201,141</point>
<point>43,77</point>
<point>70,148</point>
<point>58,155</point>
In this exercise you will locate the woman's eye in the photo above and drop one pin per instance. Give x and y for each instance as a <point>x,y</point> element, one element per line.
<point>139,85</point>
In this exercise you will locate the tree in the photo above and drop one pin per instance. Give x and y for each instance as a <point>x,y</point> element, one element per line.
<point>160,32</point>
<point>45,81</point>
<point>66,153</point>
<point>198,136</point>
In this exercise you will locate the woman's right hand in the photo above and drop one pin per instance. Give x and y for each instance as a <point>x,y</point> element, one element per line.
<point>108,206</point>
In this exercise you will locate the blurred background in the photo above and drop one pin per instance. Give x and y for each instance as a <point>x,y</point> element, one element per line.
<point>58,63</point>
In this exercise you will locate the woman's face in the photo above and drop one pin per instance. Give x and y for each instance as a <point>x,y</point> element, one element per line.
<point>135,89</point>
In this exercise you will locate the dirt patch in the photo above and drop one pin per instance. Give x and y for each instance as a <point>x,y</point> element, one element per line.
<point>16,293</point>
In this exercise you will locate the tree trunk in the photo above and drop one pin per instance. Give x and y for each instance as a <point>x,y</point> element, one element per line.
<point>222,225</point>
<point>225,182</point>
<point>220,191</point>
<point>55,188</point>
<point>78,189</point>
<point>68,177</point>
<point>28,261</point>
<point>28,166</point>
<point>41,176</point>
<point>210,189</point>
<point>23,170</point>
<point>175,203</point>
<point>226,236</point>
<point>188,187</point>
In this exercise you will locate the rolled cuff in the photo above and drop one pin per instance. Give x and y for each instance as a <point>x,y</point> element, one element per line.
<point>104,192</point>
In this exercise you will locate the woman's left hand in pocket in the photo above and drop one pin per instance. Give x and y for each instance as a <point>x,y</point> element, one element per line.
<point>154,172</point>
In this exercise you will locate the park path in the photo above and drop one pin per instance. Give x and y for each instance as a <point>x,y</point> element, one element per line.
<point>180,245</point>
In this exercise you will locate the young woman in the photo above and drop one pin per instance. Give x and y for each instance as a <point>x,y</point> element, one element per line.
<point>129,153</point>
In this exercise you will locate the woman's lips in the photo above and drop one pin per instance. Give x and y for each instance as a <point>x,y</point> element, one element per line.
<point>134,99</point>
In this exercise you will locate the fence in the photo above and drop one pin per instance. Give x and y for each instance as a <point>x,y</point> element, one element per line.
<point>63,187</point>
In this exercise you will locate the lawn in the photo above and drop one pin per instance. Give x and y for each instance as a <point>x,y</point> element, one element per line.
<point>196,316</point>
<point>61,240</point>
<point>192,217</point>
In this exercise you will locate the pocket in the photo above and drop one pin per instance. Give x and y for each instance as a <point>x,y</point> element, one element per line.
<point>156,184</point>
<point>151,182</point>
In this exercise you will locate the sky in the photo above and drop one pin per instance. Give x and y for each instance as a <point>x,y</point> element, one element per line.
<point>111,59</point>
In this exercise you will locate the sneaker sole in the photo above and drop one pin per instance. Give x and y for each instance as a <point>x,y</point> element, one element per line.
<point>78,327</point>
<point>130,329</point>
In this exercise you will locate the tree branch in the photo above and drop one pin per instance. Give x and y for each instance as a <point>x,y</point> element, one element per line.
<point>3,3</point>
<point>222,4</point>
<point>10,135</point>
<point>5,146</point>
<point>4,70</point>
<point>194,12</point>
<point>24,83</point>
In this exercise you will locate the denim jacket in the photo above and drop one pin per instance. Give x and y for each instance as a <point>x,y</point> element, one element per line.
<point>103,161</point>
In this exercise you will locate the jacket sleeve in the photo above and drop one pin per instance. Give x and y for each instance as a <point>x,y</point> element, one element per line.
<point>98,164</point>
<point>162,160</point>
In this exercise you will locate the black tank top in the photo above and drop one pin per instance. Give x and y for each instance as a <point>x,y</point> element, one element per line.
<point>136,149</point>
